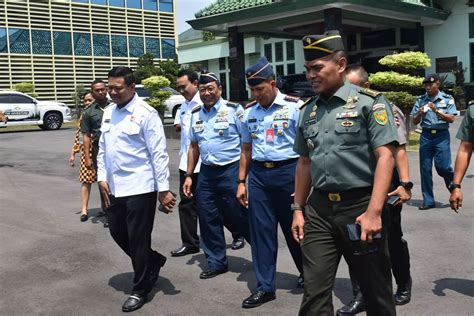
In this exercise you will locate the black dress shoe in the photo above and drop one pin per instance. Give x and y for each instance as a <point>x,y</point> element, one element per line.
<point>158,263</point>
<point>84,217</point>
<point>355,306</point>
<point>183,251</point>
<point>238,243</point>
<point>133,302</point>
<point>210,273</point>
<point>403,294</point>
<point>426,207</point>
<point>300,283</point>
<point>106,224</point>
<point>258,298</point>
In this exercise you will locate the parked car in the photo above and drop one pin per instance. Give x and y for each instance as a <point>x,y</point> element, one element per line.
<point>17,108</point>
<point>296,85</point>
<point>172,103</point>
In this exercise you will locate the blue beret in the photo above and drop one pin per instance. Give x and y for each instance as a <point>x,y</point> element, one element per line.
<point>207,77</point>
<point>318,46</point>
<point>259,72</point>
<point>431,78</point>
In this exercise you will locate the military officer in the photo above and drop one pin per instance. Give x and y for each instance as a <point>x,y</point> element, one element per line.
<point>345,139</point>
<point>435,110</point>
<point>466,135</point>
<point>268,133</point>
<point>215,136</point>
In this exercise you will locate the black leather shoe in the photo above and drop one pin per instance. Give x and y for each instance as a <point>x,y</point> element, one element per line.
<point>238,243</point>
<point>84,217</point>
<point>300,283</point>
<point>355,306</point>
<point>106,224</point>
<point>183,251</point>
<point>426,207</point>
<point>158,263</point>
<point>210,273</point>
<point>133,302</point>
<point>258,298</point>
<point>403,294</point>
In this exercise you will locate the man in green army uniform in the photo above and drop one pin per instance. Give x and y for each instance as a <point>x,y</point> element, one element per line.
<point>346,139</point>
<point>466,135</point>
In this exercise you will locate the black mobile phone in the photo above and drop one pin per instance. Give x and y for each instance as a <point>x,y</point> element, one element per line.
<point>392,200</point>
<point>162,209</point>
<point>354,232</point>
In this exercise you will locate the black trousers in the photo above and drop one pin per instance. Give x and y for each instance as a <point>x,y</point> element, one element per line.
<point>188,216</point>
<point>326,239</point>
<point>131,223</point>
<point>398,249</point>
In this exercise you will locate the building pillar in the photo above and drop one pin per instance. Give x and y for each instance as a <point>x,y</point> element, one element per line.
<point>333,19</point>
<point>237,66</point>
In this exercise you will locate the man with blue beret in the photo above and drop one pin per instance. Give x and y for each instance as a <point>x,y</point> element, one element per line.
<point>435,110</point>
<point>268,133</point>
<point>215,136</point>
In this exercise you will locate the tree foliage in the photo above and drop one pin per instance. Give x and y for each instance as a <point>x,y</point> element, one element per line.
<point>208,36</point>
<point>406,61</point>
<point>147,67</point>
<point>155,85</point>
<point>26,87</point>
<point>395,81</point>
<point>77,96</point>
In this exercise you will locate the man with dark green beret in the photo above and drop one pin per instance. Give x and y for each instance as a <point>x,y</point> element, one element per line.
<point>346,138</point>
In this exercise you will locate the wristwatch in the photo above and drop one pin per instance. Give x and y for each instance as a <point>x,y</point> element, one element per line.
<point>453,186</point>
<point>407,185</point>
<point>240,181</point>
<point>187,175</point>
<point>297,207</point>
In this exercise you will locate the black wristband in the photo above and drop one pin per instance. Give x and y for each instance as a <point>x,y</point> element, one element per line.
<point>187,175</point>
<point>407,185</point>
<point>241,181</point>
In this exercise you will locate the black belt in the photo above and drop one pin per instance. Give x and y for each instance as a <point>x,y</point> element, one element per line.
<point>347,195</point>
<point>433,131</point>
<point>274,164</point>
<point>219,166</point>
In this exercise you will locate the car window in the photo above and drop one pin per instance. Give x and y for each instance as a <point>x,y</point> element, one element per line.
<point>20,99</point>
<point>142,92</point>
<point>4,98</point>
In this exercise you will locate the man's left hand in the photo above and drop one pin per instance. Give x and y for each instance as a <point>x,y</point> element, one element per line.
<point>402,193</point>
<point>370,225</point>
<point>167,199</point>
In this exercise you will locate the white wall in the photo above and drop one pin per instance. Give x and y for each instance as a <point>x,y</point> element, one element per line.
<point>451,38</point>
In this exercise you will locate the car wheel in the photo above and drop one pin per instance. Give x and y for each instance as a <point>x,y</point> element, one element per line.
<point>52,121</point>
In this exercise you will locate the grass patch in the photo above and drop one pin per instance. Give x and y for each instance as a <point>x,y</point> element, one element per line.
<point>413,141</point>
<point>33,127</point>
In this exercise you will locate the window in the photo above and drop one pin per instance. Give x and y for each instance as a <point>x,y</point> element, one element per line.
<point>153,46</point>
<point>471,45</point>
<point>166,5</point>
<point>280,70</point>
<point>279,51</point>
<point>222,63</point>
<point>62,43</point>
<point>169,49</point>
<point>351,42</point>
<point>378,39</point>
<point>101,45</point>
<point>16,98</point>
<point>41,41</point>
<point>471,25</point>
<point>117,3</point>
<point>81,1</point>
<point>150,5</point>
<point>3,40</point>
<point>290,50</point>
<point>135,46</point>
<point>82,44</point>
<point>4,98</point>
<point>99,1</point>
<point>135,4</point>
<point>409,36</point>
<point>290,69</point>
<point>19,41</point>
<point>119,46</point>
<point>223,80</point>
<point>267,49</point>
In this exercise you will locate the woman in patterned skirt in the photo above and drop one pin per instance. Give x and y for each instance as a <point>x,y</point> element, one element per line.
<point>86,176</point>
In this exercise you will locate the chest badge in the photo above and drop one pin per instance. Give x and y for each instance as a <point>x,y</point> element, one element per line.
<point>313,112</point>
<point>310,144</point>
<point>350,102</point>
<point>347,123</point>
<point>254,135</point>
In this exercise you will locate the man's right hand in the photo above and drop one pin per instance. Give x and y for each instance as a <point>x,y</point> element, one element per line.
<point>242,194</point>
<point>297,227</point>
<point>89,164</point>
<point>455,200</point>
<point>105,191</point>
<point>188,182</point>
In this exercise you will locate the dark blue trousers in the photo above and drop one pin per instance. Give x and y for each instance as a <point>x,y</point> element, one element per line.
<point>434,147</point>
<point>270,201</point>
<point>218,207</point>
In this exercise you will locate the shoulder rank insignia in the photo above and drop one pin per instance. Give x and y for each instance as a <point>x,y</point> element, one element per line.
<point>308,102</point>
<point>291,98</point>
<point>232,104</point>
<point>370,92</point>
<point>250,104</point>
<point>196,108</point>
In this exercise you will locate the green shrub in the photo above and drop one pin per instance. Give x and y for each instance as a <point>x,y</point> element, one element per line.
<point>403,100</point>
<point>155,85</point>
<point>26,87</point>
<point>395,81</point>
<point>406,61</point>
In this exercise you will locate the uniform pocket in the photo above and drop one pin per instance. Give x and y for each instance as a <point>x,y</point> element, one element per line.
<point>131,129</point>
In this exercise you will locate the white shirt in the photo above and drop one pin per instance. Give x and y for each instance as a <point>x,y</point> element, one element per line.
<point>132,150</point>
<point>183,118</point>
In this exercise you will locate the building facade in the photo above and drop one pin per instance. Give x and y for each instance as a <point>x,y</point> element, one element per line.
<point>57,45</point>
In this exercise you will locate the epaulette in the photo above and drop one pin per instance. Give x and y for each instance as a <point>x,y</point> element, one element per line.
<point>291,98</point>
<point>250,104</point>
<point>308,102</point>
<point>196,108</point>
<point>232,104</point>
<point>447,95</point>
<point>370,92</point>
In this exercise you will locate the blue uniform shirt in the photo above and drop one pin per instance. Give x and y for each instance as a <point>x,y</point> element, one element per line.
<point>272,131</point>
<point>444,102</point>
<point>217,132</point>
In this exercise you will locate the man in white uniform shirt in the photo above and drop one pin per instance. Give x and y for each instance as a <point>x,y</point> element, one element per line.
<point>132,167</point>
